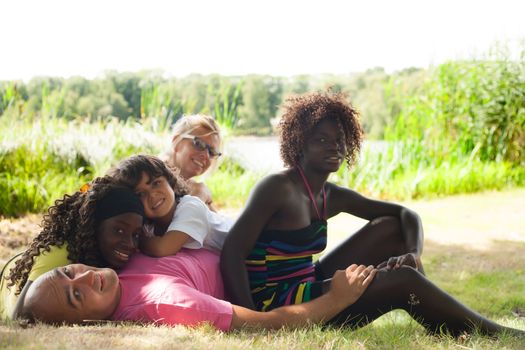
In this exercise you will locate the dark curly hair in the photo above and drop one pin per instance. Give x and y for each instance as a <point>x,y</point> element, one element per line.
<point>128,172</point>
<point>70,220</point>
<point>302,113</point>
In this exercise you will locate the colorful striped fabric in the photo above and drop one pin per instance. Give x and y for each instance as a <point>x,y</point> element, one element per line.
<point>280,266</point>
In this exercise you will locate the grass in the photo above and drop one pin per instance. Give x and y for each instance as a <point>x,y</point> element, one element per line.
<point>390,332</point>
<point>41,161</point>
<point>41,158</point>
<point>405,171</point>
<point>489,278</point>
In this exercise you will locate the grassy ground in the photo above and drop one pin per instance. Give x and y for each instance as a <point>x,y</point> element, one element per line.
<point>473,249</point>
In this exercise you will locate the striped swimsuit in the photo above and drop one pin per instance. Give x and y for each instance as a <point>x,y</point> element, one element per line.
<point>280,266</point>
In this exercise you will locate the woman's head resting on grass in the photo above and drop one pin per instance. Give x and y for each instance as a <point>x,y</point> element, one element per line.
<point>100,225</point>
<point>302,116</point>
<point>158,187</point>
<point>72,294</point>
<point>195,145</point>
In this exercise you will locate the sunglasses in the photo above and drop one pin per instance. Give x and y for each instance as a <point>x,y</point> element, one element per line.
<point>203,146</point>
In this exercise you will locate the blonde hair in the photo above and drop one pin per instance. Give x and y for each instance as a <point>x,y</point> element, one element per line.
<point>185,126</point>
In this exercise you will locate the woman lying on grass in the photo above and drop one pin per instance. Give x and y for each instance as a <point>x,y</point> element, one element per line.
<point>267,259</point>
<point>98,225</point>
<point>185,289</point>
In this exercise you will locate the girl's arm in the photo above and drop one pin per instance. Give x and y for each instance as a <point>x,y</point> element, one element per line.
<point>168,244</point>
<point>189,225</point>
<point>342,199</point>
<point>265,200</point>
<point>346,287</point>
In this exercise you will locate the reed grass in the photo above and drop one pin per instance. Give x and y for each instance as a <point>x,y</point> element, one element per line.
<point>462,131</point>
<point>42,160</point>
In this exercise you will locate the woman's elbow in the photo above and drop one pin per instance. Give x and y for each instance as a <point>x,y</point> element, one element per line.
<point>407,213</point>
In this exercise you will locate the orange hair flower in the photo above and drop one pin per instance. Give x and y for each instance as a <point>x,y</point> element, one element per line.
<point>85,187</point>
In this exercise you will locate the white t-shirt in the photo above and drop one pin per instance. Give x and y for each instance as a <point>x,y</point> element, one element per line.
<point>205,227</point>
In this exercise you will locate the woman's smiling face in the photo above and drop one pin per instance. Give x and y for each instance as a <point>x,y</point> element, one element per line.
<point>324,148</point>
<point>191,160</point>
<point>118,238</point>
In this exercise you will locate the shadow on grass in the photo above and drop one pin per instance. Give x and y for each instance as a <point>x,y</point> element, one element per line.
<point>492,281</point>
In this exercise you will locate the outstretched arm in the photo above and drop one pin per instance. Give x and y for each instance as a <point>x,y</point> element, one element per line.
<point>346,287</point>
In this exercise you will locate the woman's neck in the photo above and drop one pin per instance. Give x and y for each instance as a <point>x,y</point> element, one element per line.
<point>182,173</point>
<point>316,180</point>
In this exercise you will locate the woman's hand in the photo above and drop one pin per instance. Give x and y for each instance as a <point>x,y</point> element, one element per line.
<point>348,285</point>
<point>395,262</point>
<point>345,288</point>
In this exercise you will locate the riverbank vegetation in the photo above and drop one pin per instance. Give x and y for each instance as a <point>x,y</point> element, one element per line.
<point>454,128</point>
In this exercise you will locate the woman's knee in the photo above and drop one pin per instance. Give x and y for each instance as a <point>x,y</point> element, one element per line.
<point>402,276</point>
<point>389,228</point>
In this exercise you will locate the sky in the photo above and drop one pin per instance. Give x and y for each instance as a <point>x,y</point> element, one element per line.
<point>237,37</point>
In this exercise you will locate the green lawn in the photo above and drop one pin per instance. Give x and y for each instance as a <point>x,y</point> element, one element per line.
<point>488,277</point>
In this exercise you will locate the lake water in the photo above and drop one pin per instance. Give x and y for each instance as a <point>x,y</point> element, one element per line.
<point>259,154</point>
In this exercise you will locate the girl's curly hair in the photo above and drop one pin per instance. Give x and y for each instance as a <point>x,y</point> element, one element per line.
<point>302,113</point>
<point>70,220</point>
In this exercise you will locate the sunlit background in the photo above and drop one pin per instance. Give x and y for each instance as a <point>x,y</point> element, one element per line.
<point>84,84</point>
<point>235,37</point>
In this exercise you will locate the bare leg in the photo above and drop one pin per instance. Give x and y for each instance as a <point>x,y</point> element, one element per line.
<point>374,243</point>
<point>411,291</point>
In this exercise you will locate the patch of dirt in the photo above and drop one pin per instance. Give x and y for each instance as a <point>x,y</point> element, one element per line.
<point>16,233</point>
<point>474,221</point>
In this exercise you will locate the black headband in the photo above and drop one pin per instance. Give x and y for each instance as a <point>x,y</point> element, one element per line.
<point>118,201</point>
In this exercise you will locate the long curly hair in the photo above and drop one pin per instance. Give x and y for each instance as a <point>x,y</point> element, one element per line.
<point>70,220</point>
<point>302,113</point>
<point>128,172</point>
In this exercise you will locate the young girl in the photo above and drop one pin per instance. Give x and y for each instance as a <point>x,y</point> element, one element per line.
<point>194,148</point>
<point>175,220</point>
<point>267,258</point>
<point>99,225</point>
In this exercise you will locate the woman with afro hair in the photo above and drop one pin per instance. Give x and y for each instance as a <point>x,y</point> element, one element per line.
<point>98,225</point>
<point>267,259</point>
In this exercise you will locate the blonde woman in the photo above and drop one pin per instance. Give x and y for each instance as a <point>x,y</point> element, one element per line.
<point>195,147</point>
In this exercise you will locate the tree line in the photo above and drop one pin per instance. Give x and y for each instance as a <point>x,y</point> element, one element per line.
<point>245,104</point>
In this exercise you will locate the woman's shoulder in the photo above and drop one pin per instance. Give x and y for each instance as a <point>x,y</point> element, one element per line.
<point>276,182</point>
<point>48,260</point>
